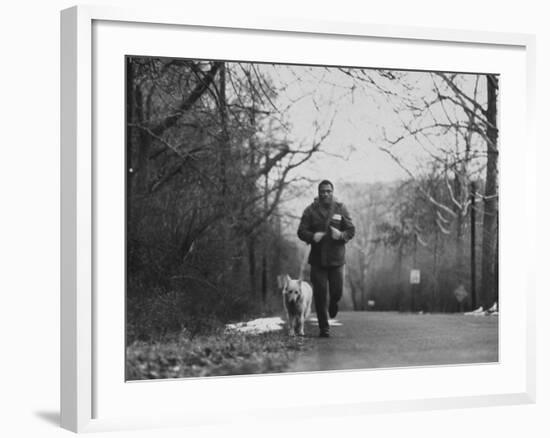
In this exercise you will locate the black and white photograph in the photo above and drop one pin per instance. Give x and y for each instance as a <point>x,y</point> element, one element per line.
<point>286,218</point>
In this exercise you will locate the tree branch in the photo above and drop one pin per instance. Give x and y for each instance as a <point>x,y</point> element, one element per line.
<point>187,103</point>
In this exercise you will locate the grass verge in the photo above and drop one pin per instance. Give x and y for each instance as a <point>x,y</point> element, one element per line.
<point>219,354</point>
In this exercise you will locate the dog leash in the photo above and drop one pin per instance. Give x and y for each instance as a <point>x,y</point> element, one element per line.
<point>303,265</point>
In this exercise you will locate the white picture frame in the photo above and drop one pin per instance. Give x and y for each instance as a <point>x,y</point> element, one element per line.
<point>85,371</point>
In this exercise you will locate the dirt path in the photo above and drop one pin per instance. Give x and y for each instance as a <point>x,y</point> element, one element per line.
<point>390,339</point>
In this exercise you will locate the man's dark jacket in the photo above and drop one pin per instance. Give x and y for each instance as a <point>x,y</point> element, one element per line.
<point>327,252</point>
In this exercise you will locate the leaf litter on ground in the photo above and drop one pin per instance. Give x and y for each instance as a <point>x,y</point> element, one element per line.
<point>224,352</point>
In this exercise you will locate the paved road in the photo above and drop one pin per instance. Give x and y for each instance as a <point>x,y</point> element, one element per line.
<point>391,339</point>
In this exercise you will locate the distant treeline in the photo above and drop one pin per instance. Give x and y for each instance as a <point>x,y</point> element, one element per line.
<point>398,230</point>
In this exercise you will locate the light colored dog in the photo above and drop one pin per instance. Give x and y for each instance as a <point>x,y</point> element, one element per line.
<point>297,298</point>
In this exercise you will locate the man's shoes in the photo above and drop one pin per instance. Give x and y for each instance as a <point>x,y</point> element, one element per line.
<point>333,309</point>
<point>324,334</point>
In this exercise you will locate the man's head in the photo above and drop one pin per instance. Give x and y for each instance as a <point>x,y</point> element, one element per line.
<point>326,190</point>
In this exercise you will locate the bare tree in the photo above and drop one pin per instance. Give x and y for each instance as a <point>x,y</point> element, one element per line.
<point>450,123</point>
<point>209,159</point>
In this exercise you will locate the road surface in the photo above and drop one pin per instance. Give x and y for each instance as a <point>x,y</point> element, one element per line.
<point>390,339</point>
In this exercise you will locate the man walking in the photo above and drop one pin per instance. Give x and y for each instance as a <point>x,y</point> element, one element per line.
<point>327,226</point>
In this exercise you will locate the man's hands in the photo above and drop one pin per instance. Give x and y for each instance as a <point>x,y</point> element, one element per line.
<point>336,234</point>
<point>318,236</point>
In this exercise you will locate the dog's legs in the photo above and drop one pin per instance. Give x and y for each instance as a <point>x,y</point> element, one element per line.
<point>298,326</point>
<point>301,325</point>
<point>291,325</point>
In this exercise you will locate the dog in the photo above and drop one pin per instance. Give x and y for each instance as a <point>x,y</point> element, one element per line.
<point>297,298</point>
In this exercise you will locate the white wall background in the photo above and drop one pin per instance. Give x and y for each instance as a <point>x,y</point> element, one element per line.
<point>29,217</point>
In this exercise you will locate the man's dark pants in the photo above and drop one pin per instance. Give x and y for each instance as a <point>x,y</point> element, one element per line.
<point>332,277</point>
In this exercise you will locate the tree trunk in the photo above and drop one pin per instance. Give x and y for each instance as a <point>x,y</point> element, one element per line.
<point>130,104</point>
<point>266,235</point>
<point>473,277</point>
<point>490,202</point>
<point>496,269</point>
<point>276,265</point>
<point>363,281</point>
<point>225,133</point>
<point>435,290</point>
<point>252,264</point>
<point>353,290</point>
<point>404,302</point>
<point>459,237</point>
<point>223,163</point>
<point>143,148</point>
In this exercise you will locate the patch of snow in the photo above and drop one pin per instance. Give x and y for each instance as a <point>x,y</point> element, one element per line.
<point>256,326</point>
<point>331,322</point>
<point>263,325</point>
<point>480,312</point>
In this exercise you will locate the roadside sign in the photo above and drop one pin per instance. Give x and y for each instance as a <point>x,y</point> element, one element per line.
<point>415,276</point>
<point>460,293</point>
